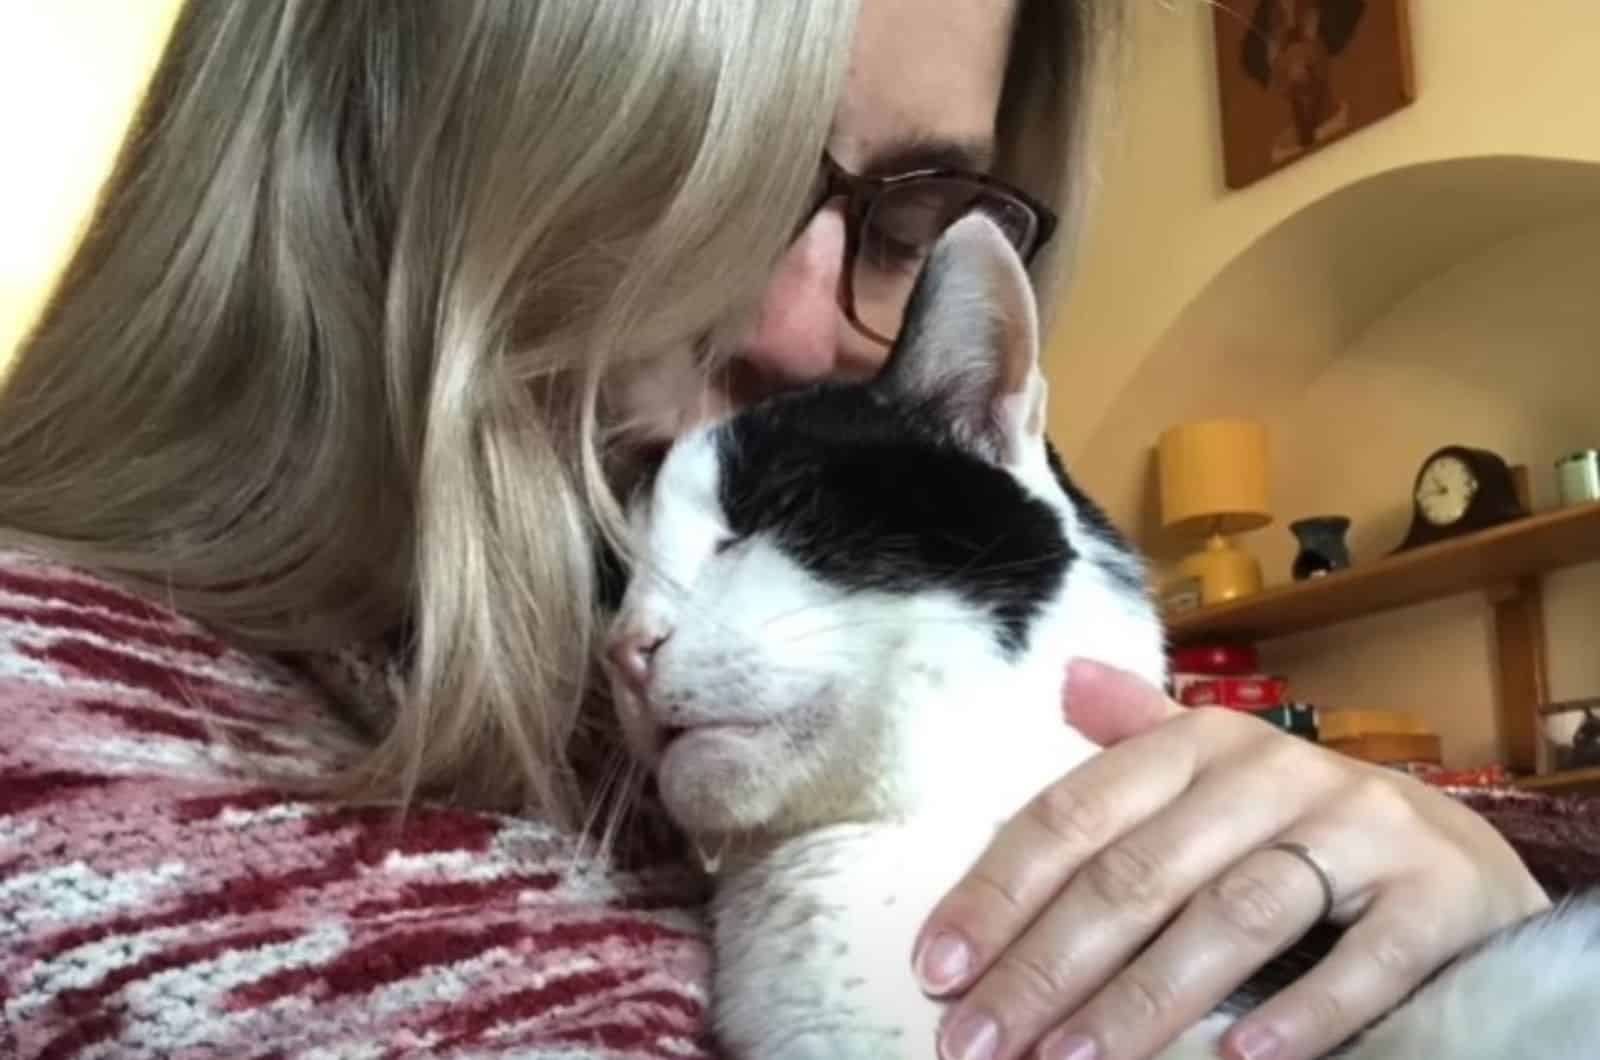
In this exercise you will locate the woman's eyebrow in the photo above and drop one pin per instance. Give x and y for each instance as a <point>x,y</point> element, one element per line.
<point>925,151</point>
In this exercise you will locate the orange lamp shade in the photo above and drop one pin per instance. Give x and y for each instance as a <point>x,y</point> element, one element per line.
<point>1214,476</point>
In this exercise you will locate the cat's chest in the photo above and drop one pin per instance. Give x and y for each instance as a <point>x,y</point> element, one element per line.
<point>814,947</point>
<point>814,944</point>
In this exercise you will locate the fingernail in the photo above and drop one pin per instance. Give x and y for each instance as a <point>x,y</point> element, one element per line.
<point>971,1036</point>
<point>1256,1043</point>
<point>1081,669</point>
<point>1071,1047</point>
<point>944,961</point>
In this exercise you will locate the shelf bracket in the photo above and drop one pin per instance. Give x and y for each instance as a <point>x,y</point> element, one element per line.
<point>1521,674</point>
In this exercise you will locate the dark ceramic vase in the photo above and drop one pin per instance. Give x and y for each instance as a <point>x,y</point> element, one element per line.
<point>1585,752</point>
<point>1322,546</point>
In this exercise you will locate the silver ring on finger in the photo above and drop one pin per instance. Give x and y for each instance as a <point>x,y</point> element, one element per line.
<point>1324,874</point>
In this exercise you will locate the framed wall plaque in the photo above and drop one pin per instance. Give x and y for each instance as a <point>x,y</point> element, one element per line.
<point>1297,75</point>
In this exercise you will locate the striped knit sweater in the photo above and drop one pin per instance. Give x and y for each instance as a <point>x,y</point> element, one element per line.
<point>157,899</point>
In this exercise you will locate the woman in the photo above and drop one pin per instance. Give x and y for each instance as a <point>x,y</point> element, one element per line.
<point>306,465</point>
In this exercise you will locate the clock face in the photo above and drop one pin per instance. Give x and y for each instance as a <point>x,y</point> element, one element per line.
<point>1445,490</point>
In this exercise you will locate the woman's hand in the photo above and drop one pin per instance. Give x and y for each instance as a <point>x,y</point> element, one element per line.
<point>1133,895</point>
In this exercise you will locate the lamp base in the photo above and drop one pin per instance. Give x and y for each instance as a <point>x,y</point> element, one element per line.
<point>1223,571</point>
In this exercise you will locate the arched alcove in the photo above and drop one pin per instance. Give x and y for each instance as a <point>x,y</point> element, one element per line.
<point>1438,303</point>
<point>1272,319</point>
<point>1165,227</point>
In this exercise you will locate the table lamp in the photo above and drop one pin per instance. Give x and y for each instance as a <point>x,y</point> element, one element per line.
<point>1214,482</point>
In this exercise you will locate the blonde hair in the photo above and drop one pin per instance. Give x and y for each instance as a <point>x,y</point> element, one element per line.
<point>1053,106</point>
<point>329,356</point>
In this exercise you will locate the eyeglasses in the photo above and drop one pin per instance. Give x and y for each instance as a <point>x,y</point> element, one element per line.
<point>892,224</point>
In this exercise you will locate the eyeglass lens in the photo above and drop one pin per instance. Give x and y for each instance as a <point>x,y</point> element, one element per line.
<point>899,231</point>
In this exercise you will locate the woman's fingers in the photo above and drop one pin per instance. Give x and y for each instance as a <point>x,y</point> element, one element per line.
<point>1403,939</point>
<point>1122,895</point>
<point>1109,706</point>
<point>1248,914</point>
<point>1035,853</point>
<point>1231,927</point>
<point>1452,883</point>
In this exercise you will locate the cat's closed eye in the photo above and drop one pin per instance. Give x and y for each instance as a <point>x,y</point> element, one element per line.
<point>725,543</point>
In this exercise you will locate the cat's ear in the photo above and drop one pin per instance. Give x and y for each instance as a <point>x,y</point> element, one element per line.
<point>968,351</point>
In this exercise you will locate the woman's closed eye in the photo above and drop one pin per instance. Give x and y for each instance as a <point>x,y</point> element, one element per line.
<point>897,243</point>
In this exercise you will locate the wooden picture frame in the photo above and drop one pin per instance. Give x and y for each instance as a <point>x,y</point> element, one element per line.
<point>1297,75</point>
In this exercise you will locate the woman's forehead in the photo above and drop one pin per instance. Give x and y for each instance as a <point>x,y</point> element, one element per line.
<point>924,80</point>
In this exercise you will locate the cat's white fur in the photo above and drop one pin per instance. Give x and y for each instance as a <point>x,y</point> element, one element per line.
<point>851,753</point>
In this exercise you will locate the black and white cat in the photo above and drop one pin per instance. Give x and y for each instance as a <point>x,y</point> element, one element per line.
<point>842,656</point>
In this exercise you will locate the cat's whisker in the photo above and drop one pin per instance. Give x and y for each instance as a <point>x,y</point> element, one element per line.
<point>812,782</point>
<point>797,611</point>
<point>896,622</point>
<point>615,799</point>
<point>1044,559</point>
<point>685,598</point>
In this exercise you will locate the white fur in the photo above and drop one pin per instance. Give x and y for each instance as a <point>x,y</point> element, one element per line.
<point>1534,992</point>
<point>852,752</point>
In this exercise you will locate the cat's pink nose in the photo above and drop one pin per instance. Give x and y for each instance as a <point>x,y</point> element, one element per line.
<point>632,654</point>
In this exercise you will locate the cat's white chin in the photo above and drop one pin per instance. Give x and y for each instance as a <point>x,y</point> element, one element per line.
<point>721,738</point>
<point>718,777</point>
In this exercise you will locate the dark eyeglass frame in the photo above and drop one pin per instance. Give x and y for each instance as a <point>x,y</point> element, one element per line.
<point>861,195</point>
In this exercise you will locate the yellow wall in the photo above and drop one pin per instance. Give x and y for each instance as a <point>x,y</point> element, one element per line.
<point>1428,280</point>
<point>70,74</point>
<point>1491,80</point>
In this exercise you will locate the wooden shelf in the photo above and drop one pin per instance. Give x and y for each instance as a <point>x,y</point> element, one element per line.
<point>1581,781</point>
<point>1500,556</point>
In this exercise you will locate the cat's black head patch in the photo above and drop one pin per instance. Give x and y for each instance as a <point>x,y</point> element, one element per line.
<point>866,494</point>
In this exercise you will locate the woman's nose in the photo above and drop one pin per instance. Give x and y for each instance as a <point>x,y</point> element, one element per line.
<point>796,335</point>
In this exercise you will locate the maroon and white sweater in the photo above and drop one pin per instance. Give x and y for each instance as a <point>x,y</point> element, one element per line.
<point>157,900</point>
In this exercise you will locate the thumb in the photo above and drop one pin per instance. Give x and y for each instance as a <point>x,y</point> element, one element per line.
<point>1109,705</point>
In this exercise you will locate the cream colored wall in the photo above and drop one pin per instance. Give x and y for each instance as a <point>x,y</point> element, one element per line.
<point>1428,280</point>
<point>1491,80</point>
<point>70,74</point>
